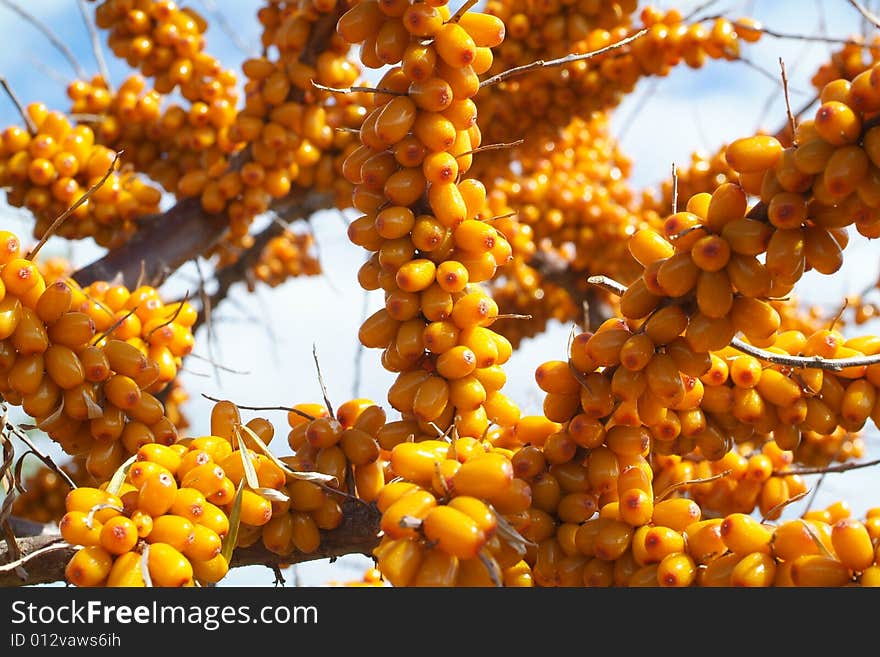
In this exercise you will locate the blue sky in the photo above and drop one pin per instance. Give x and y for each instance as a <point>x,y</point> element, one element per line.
<point>686,111</point>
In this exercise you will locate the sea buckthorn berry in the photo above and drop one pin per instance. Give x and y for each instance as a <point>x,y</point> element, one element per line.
<point>454,531</point>
<point>711,253</point>
<point>676,570</point>
<point>852,544</point>
<point>648,246</point>
<point>752,154</point>
<point>174,530</point>
<point>483,477</point>
<point>743,534</point>
<point>76,530</point>
<point>819,571</point>
<point>90,566</point>
<point>756,569</point>
<point>157,493</point>
<point>837,124</point>
<point>167,566</point>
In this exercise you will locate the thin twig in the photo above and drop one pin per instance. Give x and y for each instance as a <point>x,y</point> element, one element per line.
<point>219,18</point>
<point>48,71</point>
<point>217,365</point>
<point>96,45</point>
<point>831,364</point>
<point>688,482</point>
<point>289,409</point>
<point>32,129</point>
<point>493,147</point>
<point>640,105</point>
<point>461,11</point>
<point>568,59</point>
<point>674,188</point>
<point>791,120</point>
<point>206,313</point>
<point>49,34</point>
<point>114,325</point>
<point>843,467</point>
<point>778,507</point>
<point>867,15</point>
<point>351,90</point>
<point>45,458</point>
<point>171,319</point>
<point>64,215</point>
<point>321,381</point>
<point>359,354</point>
<point>794,36</point>
<point>697,10</point>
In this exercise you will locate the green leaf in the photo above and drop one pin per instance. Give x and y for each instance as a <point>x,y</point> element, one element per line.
<point>234,521</point>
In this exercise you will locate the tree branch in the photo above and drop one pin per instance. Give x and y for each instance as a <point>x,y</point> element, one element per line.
<point>817,362</point>
<point>162,245</point>
<point>358,534</point>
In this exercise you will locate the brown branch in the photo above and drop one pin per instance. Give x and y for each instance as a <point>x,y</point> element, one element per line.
<point>791,120</point>
<point>164,243</point>
<point>843,467</point>
<point>358,534</point>
<point>831,364</point>
<point>568,59</point>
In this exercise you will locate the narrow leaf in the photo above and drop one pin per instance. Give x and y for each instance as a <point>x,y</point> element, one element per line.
<point>145,566</point>
<point>119,476</point>
<point>250,474</point>
<point>307,476</point>
<point>231,538</point>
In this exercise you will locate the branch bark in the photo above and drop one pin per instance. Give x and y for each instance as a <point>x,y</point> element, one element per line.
<point>166,241</point>
<point>160,247</point>
<point>358,534</point>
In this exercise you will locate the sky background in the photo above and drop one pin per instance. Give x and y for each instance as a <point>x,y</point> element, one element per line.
<point>269,335</point>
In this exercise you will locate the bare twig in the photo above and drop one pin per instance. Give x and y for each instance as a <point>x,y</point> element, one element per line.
<point>795,36</point>
<point>350,90</point>
<point>49,34</point>
<point>32,129</point>
<point>843,467</point>
<point>359,354</point>
<point>493,147</point>
<point>64,215</point>
<point>568,59</point>
<point>866,14</point>
<point>217,365</point>
<point>49,72</point>
<point>791,120</point>
<point>461,11</point>
<point>96,44</point>
<point>45,458</point>
<point>321,381</point>
<point>831,364</point>
<point>778,507</point>
<point>689,482</point>
<point>219,18</point>
<point>674,188</point>
<point>289,409</point>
